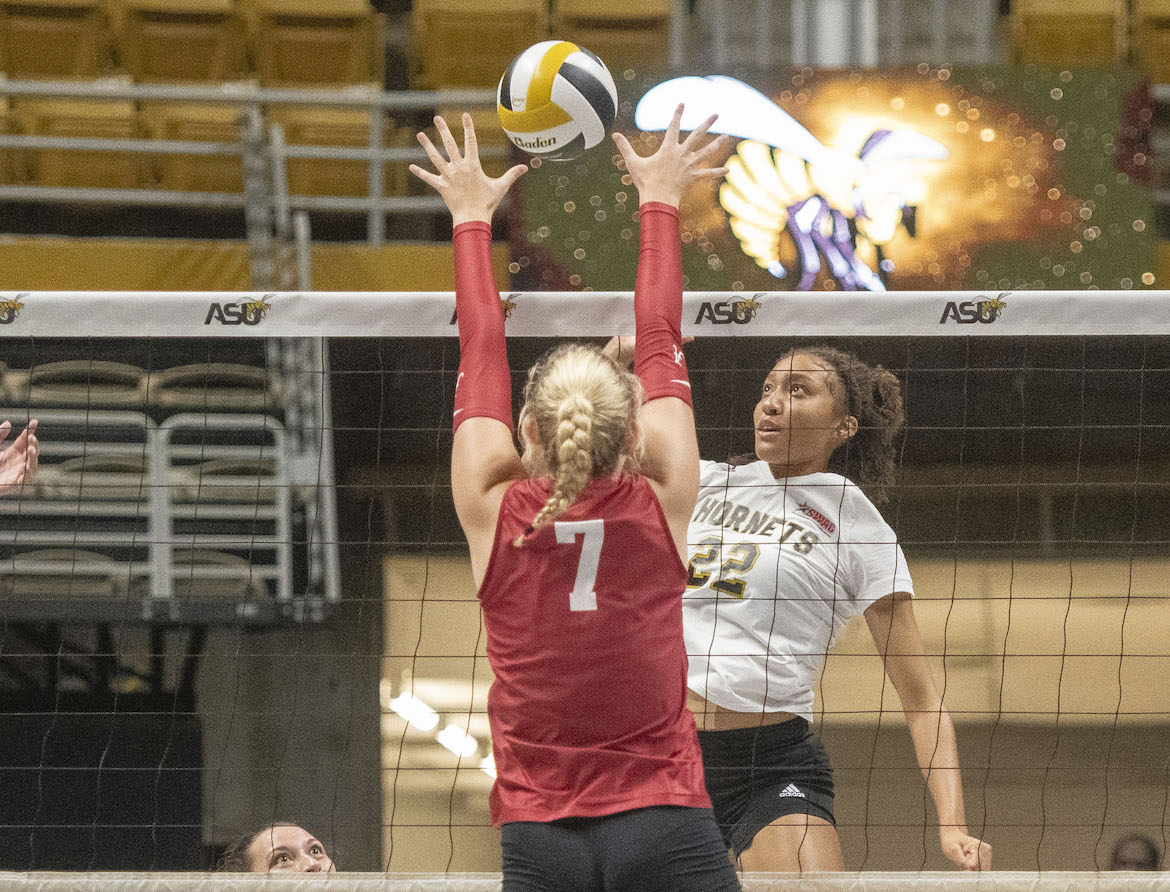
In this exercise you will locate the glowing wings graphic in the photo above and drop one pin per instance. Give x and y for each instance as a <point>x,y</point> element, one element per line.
<point>783,180</point>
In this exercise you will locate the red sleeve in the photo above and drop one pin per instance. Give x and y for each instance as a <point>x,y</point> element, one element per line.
<point>484,386</point>
<point>658,356</point>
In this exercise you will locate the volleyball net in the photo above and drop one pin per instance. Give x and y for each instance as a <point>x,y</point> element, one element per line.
<point>236,591</point>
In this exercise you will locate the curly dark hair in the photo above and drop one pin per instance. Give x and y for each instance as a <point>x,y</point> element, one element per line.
<point>872,395</point>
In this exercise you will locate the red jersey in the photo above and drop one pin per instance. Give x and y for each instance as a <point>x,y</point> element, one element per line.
<point>584,623</point>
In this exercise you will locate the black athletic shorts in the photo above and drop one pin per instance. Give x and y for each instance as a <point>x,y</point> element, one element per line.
<point>756,775</point>
<point>665,848</point>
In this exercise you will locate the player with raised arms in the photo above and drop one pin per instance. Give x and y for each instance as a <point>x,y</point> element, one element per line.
<point>575,550</point>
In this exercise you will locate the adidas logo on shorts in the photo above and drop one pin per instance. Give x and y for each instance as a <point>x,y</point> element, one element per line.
<point>792,790</point>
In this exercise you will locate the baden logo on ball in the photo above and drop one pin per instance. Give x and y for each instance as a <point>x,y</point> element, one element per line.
<point>556,100</point>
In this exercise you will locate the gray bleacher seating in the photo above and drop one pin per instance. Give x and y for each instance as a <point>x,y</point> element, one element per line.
<point>220,386</point>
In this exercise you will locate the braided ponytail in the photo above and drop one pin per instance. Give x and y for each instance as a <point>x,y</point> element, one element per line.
<point>584,406</point>
<point>574,444</point>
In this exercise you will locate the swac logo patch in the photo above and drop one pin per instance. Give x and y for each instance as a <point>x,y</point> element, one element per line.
<point>10,309</point>
<point>968,312</point>
<point>247,313</point>
<point>507,305</point>
<point>808,511</point>
<point>739,312</point>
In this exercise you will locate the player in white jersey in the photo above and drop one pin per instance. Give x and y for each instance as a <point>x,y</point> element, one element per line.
<point>785,547</point>
<point>784,551</point>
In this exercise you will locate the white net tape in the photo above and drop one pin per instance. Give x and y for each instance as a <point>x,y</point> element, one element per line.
<point>580,314</point>
<point>1005,881</point>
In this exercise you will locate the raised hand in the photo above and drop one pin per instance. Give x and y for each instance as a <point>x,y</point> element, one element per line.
<point>20,459</point>
<point>965,850</point>
<point>470,193</point>
<point>670,171</point>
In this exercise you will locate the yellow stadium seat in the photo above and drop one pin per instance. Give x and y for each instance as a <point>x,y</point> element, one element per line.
<point>53,39</point>
<point>625,35</point>
<point>350,127</point>
<point>182,40</point>
<point>305,42</point>
<point>469,43</point>
<point>7,125</point>
<point>1053,32</point>
<point>196,122</point>
<point>1152,38</point>
<point>111,119</point>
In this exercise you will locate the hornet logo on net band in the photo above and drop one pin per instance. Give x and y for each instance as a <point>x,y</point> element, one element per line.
<point>968,312</point>
<point>507,305</point>
<point>250,312</point>
<point>10,309</point>
<point>728,312</point>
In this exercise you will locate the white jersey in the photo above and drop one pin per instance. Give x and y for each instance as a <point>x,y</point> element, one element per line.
<point>776,569</point>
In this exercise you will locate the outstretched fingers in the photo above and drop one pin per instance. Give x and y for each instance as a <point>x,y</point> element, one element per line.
<point>699,132</point>
<point>426,176</point>
<point>673,128</point>
<point>512,175</point>
<point>448,140</point>
<point>470,142</point>
<point>434,154</point>
<point>624,147</point>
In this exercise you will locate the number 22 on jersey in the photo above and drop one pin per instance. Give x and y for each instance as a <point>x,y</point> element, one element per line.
<point>592,533</point>
<point>741,557</point>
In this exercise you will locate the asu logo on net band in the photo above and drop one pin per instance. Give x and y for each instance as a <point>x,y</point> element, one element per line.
<point>507,305</point>
<point>10,309</point>
<point>728,312</point>
<point>250,312</point>
<point>985,310</point>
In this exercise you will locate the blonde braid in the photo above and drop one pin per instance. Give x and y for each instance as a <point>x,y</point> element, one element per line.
<point>574,451</point>
<point>584,407</point>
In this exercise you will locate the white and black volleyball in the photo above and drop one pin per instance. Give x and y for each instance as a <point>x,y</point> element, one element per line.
<point>556,100</point>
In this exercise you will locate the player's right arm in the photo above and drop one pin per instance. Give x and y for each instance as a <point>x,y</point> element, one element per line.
<point>671,460</point>
<point>484,460</point>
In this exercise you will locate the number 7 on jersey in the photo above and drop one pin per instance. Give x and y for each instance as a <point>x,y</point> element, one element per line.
<point>583,596</point>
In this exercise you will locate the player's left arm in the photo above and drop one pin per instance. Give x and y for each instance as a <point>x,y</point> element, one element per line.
<point>895,633</point>
<point>484,460</point>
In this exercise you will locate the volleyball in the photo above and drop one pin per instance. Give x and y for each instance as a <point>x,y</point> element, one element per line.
<point>556,100</point>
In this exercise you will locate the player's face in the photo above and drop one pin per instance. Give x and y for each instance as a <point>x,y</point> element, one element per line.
<point>288,850</point>
<point>800,419</point>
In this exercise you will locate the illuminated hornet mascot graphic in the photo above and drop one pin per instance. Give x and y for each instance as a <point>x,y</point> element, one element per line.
<point>783,180</point>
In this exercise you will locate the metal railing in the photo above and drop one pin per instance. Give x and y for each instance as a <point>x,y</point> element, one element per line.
<point>253,102</point>
<point>763,33</point>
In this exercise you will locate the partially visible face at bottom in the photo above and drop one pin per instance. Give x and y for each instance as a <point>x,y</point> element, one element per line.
<point>288,849</point>
<point>1132,854</point>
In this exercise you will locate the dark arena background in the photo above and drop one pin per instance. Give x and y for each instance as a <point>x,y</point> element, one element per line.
<point>235,592</point>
